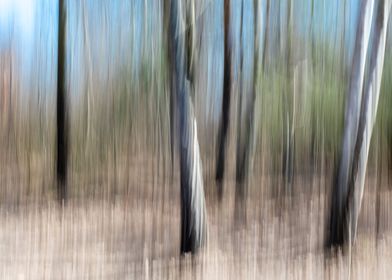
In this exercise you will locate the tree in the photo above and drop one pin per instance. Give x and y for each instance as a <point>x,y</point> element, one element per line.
<point>360,116</point>
<point>246,113</point>
<point>368,116</point>
<point>288,103</point>
<point>226,98</point>
<point>62,118</point>
<point>245,121</point>
<point>266,36</point>
<point>193,209</point>
<point>89,83</point>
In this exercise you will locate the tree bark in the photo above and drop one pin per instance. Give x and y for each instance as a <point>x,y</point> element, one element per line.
<point>368,116</point>
<point>288,104</point>
<point>338,230</point>
<point>193,209</point>
<point>246,115</point>
<point>240,145</point>
<point>245,128</point>
<point>226,100</point>
<point>88,61</point>
<point>62,118</point>
<point>266,36</point>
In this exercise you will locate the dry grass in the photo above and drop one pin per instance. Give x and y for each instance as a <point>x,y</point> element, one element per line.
<point>135,235</point>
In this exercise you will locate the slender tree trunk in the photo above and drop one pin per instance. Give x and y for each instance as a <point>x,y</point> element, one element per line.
<point>313,119</point>
<point>193,209</point>
<point>240,153</point>
<point>226,98</point>
<point>246,115</point>
<point>252,121</point>
<point>62,118</point>
<point>245,128</point>
<point>88,61</point>
<point>10,102</point>
<point>266,36</point>
<point>288,103</point>
<point>190,39</point>
<point>239,207</point>
<point>338,231</point>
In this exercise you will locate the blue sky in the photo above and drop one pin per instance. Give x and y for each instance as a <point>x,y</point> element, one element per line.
<point>123,38</point>
<point>17,16</point>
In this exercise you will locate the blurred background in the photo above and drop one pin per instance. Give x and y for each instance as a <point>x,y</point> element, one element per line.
<point>122,217</point>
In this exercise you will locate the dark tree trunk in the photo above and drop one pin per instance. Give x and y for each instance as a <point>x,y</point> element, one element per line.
<point>240,145</point>
<point>224,122</point>
<point>62,118</point>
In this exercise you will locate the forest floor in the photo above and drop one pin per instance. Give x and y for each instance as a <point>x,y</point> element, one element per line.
<point>136,236</point>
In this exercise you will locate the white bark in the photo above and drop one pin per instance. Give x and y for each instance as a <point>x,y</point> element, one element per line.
<point>193,208</point>
<point>369,107</point>
<point>338,220</point>
<point>192,175</point>
<point>353,102</point>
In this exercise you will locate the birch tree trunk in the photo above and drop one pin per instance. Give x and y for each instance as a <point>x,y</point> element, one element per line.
<point>193,209</point>
<point>338,230</point>
<point>368,116</point>
<point>62,117</point>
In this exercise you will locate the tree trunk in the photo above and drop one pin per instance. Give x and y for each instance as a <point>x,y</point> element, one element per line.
<point>246,115</point>
<point>367,117</point>
<point>226,98</point>
<point>193,209</point>
<point>62,118</point>
<point>89,83</point>
<point>245,128</point>
<point>266,36</point>
<point>240,153</point>
<point>338,231</point>
<point>288,104</point>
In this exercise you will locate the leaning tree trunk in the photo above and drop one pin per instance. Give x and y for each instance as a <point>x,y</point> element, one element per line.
<point>367,117</point>
<point>62,119</point>
<point>193,209</point>
<point>337,233</point>
<point>224,121</point>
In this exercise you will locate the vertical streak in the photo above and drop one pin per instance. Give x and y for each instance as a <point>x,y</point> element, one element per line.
<point>193,209</point>
<point>368,115</point>
<point>338,228</point>
<point>62,121</point>
<point>226,100</point>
